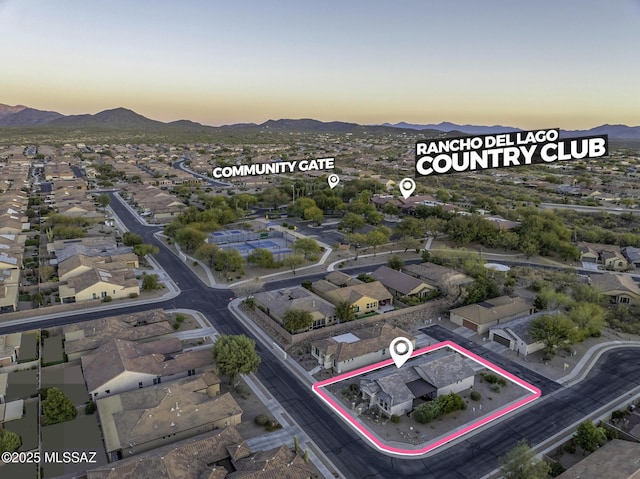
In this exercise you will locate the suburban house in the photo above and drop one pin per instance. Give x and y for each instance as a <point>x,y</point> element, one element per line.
<point>619,287</point>
<point>9,285</point>
<point>447,280</point>
<point>427,377</point>
<point>400,284</point>
<point>120,365</point>
<point>276,304</point>
<point>342,280</point>
<point>632,255</point>
<point>354,350</point>
<point>613,260</point>
<point>10,348</point>
<point>210,456</point>
<point>480,317</point>
<point>99,283</point>
<point>80,263</point>
<point>516,336</point>
<point>138,421</point>
<point>617,459</point>
<point>588,254</point>
<point>81,338</point>
<point>363,297</point>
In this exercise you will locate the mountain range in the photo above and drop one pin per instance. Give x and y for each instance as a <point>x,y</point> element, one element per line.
<point>20,116</point>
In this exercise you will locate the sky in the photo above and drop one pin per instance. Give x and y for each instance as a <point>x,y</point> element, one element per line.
<point>569,64</point>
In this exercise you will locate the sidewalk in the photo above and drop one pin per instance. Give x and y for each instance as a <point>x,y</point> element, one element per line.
<point>322,462</point>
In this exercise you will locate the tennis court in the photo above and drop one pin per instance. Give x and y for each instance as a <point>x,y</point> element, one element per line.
<point>278,246</point>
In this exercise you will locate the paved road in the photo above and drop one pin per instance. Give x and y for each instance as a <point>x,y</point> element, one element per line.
<point>616,372</point>
<point>588,209</point>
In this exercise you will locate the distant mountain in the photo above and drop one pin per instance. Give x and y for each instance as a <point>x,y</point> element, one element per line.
<point>125,119</point>
<point>447,127</point>
<point>614,131</point>
<point>116,118</point>
<point>7,110</point>
<point>29,117</point>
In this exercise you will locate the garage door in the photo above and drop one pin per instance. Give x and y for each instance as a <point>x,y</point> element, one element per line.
<point>499,339</point>
<point>469,325</point>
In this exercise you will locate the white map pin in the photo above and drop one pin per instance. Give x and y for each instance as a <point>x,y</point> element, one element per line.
<point>333,181</point>
<point>400,349</point>
<point>407,187</point>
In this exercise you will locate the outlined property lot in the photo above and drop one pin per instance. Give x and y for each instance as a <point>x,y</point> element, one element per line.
<point>393,447</point>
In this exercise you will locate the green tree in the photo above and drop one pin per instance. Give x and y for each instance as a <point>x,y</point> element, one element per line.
<point>549,299</point>
<point>300,206</point>
<point>190,238</point>
<point>306,246</point>
<point>263,258</point>
<point>274,198</point>
<point>9,441</point>
<point>145,248</point>
<point>407,243</point>
<point>293,261</point>
<point>357,240</point>
<point>521,463</point>
<point>412,227</point>
<point>131,239</point>
<point>586,293</point>
<point>588,317</point>
<point>352,222</point>
<point>103,200</point>
<point>295,320</point>
<point>229,260</point>
<point>208,253</point>
<point>150,282</point>
<point>314,214</point>
<point>590,437</point>
<point>553,330</point>
<point>483,288</point>
<point>235,355</point>
<point>345,312</point>
<point>57,407</point>
<point>377,237</point>
<point>395,262</point>
<point>435,226</point>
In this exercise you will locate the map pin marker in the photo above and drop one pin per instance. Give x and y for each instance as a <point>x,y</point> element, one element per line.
<point>333,181</point>
<point>400,349</point>
<point>407,187</point>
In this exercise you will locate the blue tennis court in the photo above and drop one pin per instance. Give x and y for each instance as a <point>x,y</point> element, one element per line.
<point>243,249</point>
<point>266,244</point>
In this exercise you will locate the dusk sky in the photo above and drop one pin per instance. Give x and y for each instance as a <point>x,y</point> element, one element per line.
<point>570,64</point>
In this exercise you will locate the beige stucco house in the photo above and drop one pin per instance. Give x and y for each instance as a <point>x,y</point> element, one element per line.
<point>480,317</point>
<point>140,420</point>
<point>99,283</point>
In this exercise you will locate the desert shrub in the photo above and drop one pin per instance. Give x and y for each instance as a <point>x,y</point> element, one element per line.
<point>476,396</point>
<point>262,420</point>
<point>90,408</point>
<point>395,418</point>
<point>494,379</point>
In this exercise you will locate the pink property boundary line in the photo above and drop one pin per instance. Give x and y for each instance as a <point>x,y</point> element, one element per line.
<point>317,388</point>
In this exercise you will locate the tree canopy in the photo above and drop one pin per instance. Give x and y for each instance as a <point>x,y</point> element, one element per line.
<point>9,441</point>
<point>590,437</point>
<point>57,407</point>
<point>296,320</point>
<point>235,355</point>
<point>521,463</point>
<point>553,330</point>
